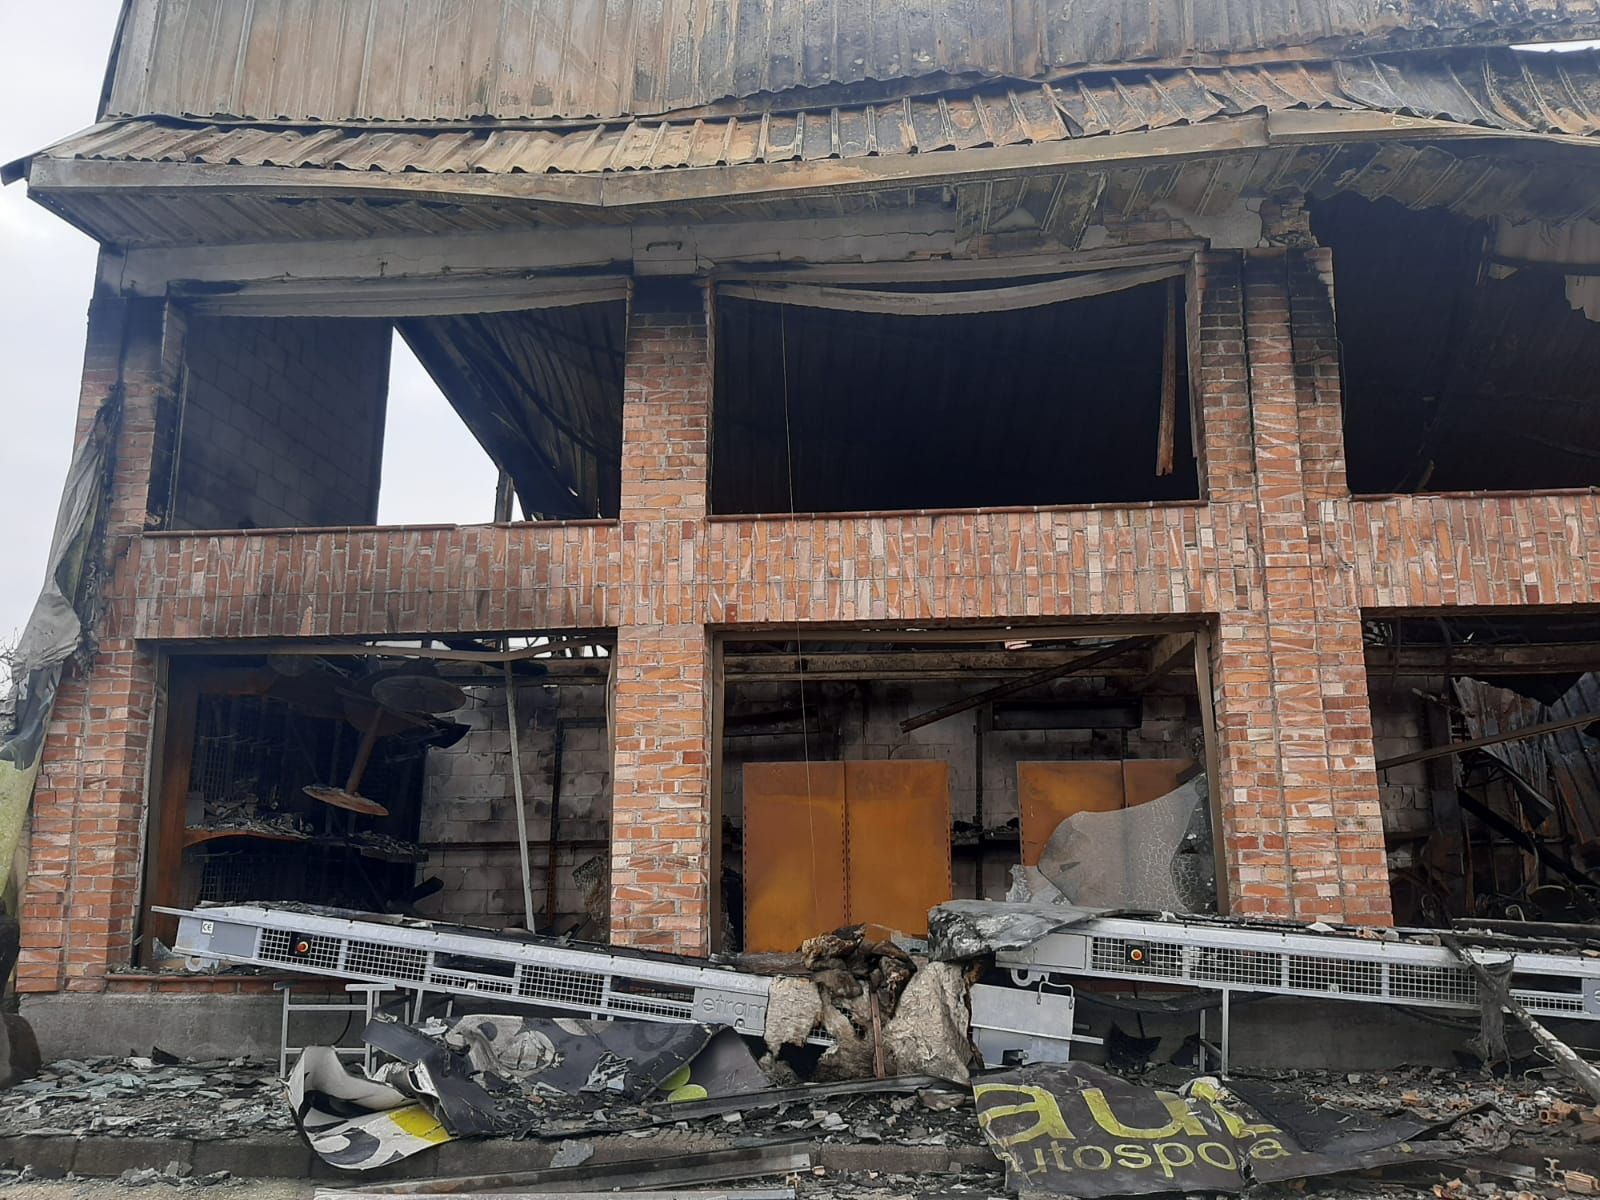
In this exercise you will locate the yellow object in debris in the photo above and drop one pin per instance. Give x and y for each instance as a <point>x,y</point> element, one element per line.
<point>418,1122</point>
<point>679,1089</point>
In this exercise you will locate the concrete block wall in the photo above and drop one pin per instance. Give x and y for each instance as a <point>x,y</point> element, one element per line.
<point>1400,725</point>
<point>281,423</point>
<point>469,823</point>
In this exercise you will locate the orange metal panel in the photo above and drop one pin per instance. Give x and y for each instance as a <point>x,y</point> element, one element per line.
<point>794,855</point>
<point>1145,779</point>
<point>1050,792</point>
<point>898,820</point>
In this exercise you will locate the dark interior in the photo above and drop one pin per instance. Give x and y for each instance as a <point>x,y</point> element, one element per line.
<point>1057,404</point>
<point>1456,380</point>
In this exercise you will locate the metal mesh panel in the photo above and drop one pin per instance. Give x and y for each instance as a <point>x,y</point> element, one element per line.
<point>659,1006</point>
<point>1439,985</point>
<point>391,962</point>
<point>1117,955</point>
<point>472,983</point>
<point>231,877</point>
<point>561,987</point>
<point>275,945</point>
<point>1554,1005</point>
<point>1337,976</point>
<point>242,746</point>
<point>1246,968</point>
<point>308,950</point>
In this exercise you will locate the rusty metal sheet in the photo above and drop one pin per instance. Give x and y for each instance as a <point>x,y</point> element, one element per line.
<point>433,60</point>
<point>1050,792</point>
<point>1146,779</point>
<point>794,853</point>
<point>897,817</point>
<point>834,844</point>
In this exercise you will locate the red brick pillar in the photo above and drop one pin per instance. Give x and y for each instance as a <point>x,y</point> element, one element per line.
<point>81,898</point>
<point>661,821</point>
<point>1298,793</point>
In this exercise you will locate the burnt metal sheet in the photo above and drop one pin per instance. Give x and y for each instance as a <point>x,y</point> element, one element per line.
<point>1050,792</point>
<point>897,817</point>
<point>794,853</point>
<point>1564,765</point>
<point>430,60</point>
<point>829,844</point>
<point>1497,89</point>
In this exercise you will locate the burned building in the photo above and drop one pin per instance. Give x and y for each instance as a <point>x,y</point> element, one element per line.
<point>917,425</point>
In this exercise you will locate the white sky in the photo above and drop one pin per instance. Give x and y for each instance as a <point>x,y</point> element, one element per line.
<point>52,57</point>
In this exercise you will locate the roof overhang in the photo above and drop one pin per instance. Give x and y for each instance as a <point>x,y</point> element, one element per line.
<point>1534,176</point>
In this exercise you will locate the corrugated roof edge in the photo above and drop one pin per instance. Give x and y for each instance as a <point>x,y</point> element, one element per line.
<point>1493,90</point>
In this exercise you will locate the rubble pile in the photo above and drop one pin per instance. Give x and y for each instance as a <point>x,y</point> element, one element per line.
<point>148,1097</point>
<point>886,1012</point>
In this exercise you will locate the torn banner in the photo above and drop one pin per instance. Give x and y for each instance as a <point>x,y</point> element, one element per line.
<point>493,1075</point>
<point>1076,1130</point>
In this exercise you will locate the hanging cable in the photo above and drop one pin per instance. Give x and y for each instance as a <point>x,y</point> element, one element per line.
<point>799,654</point>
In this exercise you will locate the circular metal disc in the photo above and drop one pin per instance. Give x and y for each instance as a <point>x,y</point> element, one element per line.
<point>340,798</point>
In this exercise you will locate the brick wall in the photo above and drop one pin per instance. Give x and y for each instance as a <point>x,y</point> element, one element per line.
<point>1278,559</point>
<point>469,820</point>
<point>80,898</point>
<point>663,854</point>
<point>282,422</point>
<point>1298,791</point>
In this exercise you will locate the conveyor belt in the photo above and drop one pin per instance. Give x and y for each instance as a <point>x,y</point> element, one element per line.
<point>597,981</point>
<point>1398,970</point>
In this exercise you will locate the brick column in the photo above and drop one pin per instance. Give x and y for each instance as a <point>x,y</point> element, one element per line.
<point>662,810</point>
<point>1299,798</point>
<point>81,898</point>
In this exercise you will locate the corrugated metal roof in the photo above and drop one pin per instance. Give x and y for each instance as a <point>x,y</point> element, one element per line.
<point>1496,89</point>
<point>401,60</point>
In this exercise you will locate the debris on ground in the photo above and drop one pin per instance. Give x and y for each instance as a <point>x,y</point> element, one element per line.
<point>140,1097</point>
<point>486,1075</point>
<point>1074,1129</point>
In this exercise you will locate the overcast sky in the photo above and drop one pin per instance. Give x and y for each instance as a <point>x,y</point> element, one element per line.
<point>52,57</point>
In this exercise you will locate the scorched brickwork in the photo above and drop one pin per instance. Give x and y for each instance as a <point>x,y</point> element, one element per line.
<point>1279,560</point>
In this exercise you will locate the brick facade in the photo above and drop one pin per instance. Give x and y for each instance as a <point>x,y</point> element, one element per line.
<point>662,849</point>
<point>1279,559</point>
<point>80,899</point>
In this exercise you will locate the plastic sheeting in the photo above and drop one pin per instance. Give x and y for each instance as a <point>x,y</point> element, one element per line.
<point>55,629</point>
<point>485,1075</point>
<point>1155,856</point>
